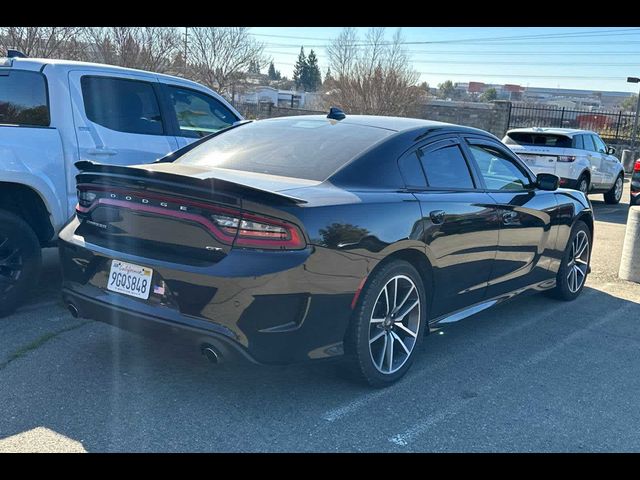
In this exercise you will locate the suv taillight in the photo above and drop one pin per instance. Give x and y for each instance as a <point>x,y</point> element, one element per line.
<point>566,158</point>
<point>636,167</point>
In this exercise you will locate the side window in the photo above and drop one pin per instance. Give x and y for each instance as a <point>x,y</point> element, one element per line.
<point>446,167</point>
<point>600,146</point>
<point>411,171</point>
<point>499,171</point>
<point>129,106</point>
<point>199,114</point>
<point>23,98</point>
<point>577,142</point>
<point>588,143</point>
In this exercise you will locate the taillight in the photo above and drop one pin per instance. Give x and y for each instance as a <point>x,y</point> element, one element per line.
<point>566,158</point>
<point>229,226</point>
<point>636,167</point>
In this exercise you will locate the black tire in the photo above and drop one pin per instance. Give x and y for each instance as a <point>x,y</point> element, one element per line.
<point>582,183</point>
<point>563,289</point>
<point>361,329</point>
<point>613,196</point>
<point>20,260</point>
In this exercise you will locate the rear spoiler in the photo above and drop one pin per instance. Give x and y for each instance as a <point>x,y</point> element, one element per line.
<point>90,170</point>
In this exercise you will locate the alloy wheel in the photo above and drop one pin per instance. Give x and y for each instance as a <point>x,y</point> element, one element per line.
<point>394,324</point>
<point>618,188</point>
<point>11,264</point>
<point>578,262</point>
<point>584,185</point>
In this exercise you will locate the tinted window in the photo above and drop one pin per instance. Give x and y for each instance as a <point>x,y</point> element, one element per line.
<point>499,171</point>
<point>127,106</point>
<point>541,139</point>
<point>199,114</point>
<point>446,168</point>
<point>411,171</point>
<point>588,143</point>
<point>600,146</point>
<point>301,147</point>
<point>23,98</point>
<point>577,142</point>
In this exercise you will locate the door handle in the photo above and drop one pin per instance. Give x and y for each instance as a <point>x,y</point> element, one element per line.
<point>437,216</point>
<point>102,151</point>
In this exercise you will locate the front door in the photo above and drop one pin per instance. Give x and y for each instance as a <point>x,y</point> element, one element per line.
<point>527,233</point>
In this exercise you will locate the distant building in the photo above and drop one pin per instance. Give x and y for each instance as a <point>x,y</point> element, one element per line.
<point>281,98</point>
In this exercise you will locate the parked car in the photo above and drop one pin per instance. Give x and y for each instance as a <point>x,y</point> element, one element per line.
<point>54,113</point>
<point>635,184</point>
<point>303,238</point>
<point>579,157</point>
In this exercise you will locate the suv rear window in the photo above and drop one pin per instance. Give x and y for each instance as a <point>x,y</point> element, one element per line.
<point>301,147</point>
<point>23,98</point>
<point>537,139</point>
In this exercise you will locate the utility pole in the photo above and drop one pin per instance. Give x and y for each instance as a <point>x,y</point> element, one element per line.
<point>186,42</point>
<point>635,120</point>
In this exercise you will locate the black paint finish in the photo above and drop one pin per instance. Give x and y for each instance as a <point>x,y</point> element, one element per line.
<point>276,306</point>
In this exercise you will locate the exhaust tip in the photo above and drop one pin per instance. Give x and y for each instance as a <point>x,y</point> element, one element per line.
<point>73,310</point>
<point>212,355</point>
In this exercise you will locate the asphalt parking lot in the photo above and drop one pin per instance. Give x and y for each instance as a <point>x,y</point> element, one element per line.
<point>533,375</point>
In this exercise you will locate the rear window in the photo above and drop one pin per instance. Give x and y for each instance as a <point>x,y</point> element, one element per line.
<point>537,139</point>
<point>306,148</point>
<point>23,98</point>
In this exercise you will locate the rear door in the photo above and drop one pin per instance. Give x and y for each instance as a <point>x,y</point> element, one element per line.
<point>460,224</point>
<point>527,232</point>
<point>118,119</point>
<point>195,114</point>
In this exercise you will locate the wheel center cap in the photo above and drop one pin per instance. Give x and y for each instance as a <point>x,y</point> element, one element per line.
<point>388,322</point>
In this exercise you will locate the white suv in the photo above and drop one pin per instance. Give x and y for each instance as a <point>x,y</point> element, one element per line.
<point>579,157</point>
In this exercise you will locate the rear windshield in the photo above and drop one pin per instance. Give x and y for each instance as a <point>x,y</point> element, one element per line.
<point>537,139</point>
<point>312,149</point>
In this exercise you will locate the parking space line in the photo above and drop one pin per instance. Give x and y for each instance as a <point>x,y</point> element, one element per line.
<point>404,438</point>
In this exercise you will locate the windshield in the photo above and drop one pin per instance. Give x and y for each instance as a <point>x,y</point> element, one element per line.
<point>537,139</point>
<point>299,147</point>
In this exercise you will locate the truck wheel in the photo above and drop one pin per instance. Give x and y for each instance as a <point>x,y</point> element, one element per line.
<point>20,260</point>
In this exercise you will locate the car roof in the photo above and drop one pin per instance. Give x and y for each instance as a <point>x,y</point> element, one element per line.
<point>395,124</point>
<point>37,64</point>
<point>569,132</point>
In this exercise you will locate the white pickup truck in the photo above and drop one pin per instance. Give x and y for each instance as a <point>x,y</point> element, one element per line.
<point>54,113</point>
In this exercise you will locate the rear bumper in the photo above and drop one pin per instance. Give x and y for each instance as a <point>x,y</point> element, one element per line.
<point>267,307</point>
<point>569,183</point>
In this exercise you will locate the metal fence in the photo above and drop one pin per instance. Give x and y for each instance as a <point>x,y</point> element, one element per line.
<point>611,126</point>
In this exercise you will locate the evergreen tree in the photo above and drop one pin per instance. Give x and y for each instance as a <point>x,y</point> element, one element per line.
<point>327,76</point>
<point>313,76</point>
<point>254,67</point>
<point>272,72</point>
<point>300,69</point>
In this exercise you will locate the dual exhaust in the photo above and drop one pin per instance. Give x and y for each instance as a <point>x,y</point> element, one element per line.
<point>209,351</point>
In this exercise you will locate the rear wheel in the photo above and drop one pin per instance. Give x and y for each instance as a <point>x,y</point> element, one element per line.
<point>583,184</point>
<point>614,195</point>
<point>575,264</point>
<point>20,259</point>
<point>388,325</point>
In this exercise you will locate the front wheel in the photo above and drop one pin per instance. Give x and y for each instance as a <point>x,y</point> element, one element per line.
<point>20,260</point>
<point>574,268</point>
<point>388,325</point>
<point>614,195</point>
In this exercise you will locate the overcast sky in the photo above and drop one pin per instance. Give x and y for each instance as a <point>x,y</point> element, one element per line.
<point>586,58</point>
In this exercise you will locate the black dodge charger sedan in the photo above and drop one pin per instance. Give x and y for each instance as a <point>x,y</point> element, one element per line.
<point>311,237</point>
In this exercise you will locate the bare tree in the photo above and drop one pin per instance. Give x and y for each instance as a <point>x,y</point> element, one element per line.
<point>220,56</point>
<point>372,77</point>
<point>43,42</point>
<point>146,48</point>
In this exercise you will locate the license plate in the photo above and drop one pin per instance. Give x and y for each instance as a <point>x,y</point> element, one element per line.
<point>540,160</point>
<point>130,279</point>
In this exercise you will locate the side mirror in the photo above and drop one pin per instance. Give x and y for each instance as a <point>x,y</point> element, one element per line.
<point>547,181</point>
<point>611,151</point>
